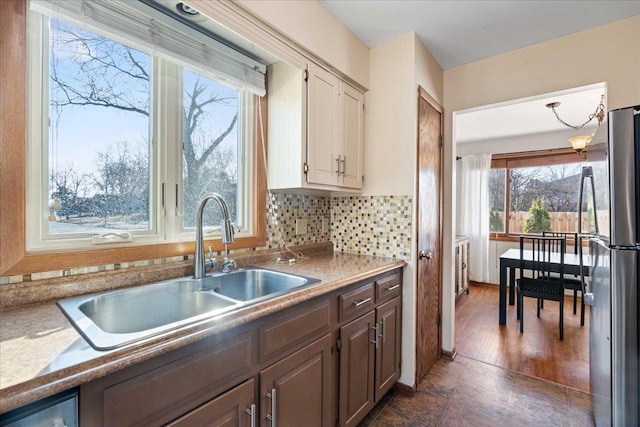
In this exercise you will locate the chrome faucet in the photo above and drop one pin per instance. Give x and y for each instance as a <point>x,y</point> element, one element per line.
<point>227,237</point>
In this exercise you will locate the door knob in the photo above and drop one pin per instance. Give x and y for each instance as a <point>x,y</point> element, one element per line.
<point>423,254</point>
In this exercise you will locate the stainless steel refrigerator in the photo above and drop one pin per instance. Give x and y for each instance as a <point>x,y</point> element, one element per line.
<point>611,184</point>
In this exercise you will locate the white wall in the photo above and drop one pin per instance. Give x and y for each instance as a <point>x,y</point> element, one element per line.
<point>315,28</point>
<point>390,115</point>
<point>429,73</point>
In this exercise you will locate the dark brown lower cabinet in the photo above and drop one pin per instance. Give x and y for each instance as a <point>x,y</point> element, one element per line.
<point>357,366</point>
<point>388,352</point>
<point>296,391</point>
<point>369,361</point>
<point>235,408</point>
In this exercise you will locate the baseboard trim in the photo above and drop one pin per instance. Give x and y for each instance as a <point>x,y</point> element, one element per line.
<point>406,389</point>
<point>483,283</point>
<point>451,355</point>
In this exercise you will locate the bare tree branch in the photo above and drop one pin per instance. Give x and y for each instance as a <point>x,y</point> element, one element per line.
<point>214,144</point>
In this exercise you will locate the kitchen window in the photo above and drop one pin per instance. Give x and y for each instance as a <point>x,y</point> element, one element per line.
<point>133,117</point>
<point>534,192</point>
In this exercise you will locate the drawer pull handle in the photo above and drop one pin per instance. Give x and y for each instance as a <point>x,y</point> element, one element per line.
<point>252,413</point>
<point>375,335</point>
<point>361,302</point>
<point>392,288</point>
<point>272,416</point>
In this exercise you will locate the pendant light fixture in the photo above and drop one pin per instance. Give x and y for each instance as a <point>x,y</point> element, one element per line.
<point>579,143</point>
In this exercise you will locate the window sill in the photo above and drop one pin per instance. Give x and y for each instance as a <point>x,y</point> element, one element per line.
<point>41,261</point>
<point>516,238</point>
<point>504,238</point>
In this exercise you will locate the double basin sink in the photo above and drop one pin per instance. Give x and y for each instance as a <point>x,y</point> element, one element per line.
<point>117,318</point>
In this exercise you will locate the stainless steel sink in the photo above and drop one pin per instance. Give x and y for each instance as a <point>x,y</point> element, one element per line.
<point>117,318</point>
<point>253,284</point>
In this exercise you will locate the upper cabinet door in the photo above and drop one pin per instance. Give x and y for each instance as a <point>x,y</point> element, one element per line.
<point>352,117</point>
<point>315,130</point>
<point>323,146</point>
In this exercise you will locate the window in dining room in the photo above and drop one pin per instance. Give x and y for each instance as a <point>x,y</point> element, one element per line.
<point>534,192</point>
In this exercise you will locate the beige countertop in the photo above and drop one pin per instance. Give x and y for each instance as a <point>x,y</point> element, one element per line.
<point>41,353</point>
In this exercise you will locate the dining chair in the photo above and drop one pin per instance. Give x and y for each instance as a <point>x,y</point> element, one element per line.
<point>540,285</point>
<point>571,282</point>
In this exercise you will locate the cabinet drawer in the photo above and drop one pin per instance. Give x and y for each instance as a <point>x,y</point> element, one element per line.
<point>387,287</point>
<point>158,396</point>
<point>233,408</point>
<point>294,330</point>
<point>355,302</point>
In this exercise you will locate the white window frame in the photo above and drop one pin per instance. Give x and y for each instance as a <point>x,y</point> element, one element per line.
<point>166,153</point>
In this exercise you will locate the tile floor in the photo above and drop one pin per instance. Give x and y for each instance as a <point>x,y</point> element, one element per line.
<point>467,392</point>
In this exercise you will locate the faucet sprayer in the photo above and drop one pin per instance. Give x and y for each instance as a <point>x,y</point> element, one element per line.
<point>227,236</point>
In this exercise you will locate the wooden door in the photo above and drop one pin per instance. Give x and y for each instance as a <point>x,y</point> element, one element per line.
<point>323,126</point>
<point>297,390</point>
<point>357,366</point>
<point>429,232</point>
<point>388,352</point>
<point>234,408</point>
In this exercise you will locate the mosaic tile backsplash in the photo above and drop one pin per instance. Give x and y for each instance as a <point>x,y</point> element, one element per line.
<point>370,225</point>
<point>284,209</point>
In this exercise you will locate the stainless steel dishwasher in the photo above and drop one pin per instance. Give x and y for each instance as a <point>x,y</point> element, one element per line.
<point>60,410</point>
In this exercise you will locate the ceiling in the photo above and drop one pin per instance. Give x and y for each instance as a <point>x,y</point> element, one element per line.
<point>529,116</point>
<point>464,31</point>
<point>459,32</point>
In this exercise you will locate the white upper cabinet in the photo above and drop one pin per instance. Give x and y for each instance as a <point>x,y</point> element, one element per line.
<point>315,131</point>
<point>352,128</point>
<point>324,146</point>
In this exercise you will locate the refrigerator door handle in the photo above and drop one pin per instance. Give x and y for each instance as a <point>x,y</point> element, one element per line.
<point>595,209</point>
<point>587,172</point>
<point>588,296</point>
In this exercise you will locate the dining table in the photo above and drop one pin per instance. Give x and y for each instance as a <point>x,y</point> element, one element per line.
<point>510,262</point>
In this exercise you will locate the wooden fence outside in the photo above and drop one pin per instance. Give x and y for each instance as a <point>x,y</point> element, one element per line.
<point>560,221</point>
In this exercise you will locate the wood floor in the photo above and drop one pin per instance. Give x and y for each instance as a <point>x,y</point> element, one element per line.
<point>537,352</point>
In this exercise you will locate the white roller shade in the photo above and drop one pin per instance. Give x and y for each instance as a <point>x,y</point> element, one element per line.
<point>143,25</point>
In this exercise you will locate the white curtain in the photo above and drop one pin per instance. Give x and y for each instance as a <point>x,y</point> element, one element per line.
<point>473,212</point>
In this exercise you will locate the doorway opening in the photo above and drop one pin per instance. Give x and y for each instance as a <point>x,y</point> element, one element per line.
<point>514,130</point>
